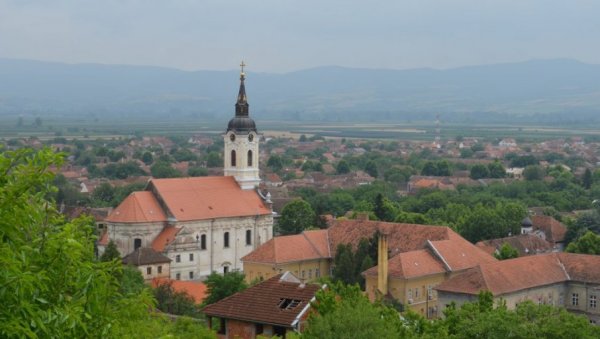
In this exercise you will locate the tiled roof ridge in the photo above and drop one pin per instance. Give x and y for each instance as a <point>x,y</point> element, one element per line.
<point>439,255</point>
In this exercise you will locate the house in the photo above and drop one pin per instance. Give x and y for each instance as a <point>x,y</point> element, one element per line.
<point>560,279</point>
<point>547,228</point>
<point>507,143</point>
<point>275,306</point>
<point>151,264</point>
<point>410,276</point>
<point>203,224</point>
<point>525,244</point>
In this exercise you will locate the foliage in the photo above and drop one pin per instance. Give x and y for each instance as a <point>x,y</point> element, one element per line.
<point>296,216</point>
<point>162,169</point>
<point>214,159</point>
<point>506,252</point>
<point>533,172</point>
<point>197,171</point>
<point>349,265</point>
<point>479,171</point>
<point>437,168</point>
<point>175,302</point>
<point>111,252</point>
<point>221,286</point>
<point>589,243</point>
<point>342,167</point>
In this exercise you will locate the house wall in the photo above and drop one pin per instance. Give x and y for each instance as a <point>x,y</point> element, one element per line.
<point>305,270</point>
<point>584,292</point>
<point>216,256</point>
<point>165,271</point>
<point>124,234</point>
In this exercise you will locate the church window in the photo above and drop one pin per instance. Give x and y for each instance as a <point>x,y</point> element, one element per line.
<point>226,240</point>
<point>178,276</point>
<point>137,243</point>
<point>159,269</point>
<point>191,275</point>
<point>232,158</point>
<point>191,256</point>
<point>592,301</point>
<point>148,270</point>
<point>178,258</point>
<point>203,242</point>
<point>249,158</point>
<point>248,237</point>
<point>575,299</point>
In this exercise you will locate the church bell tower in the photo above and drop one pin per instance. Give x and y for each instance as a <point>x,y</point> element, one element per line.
<point>241,142</point>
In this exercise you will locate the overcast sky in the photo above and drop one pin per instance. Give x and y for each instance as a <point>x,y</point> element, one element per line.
<point>285,35</point>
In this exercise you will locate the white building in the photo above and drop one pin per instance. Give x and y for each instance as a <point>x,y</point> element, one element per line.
<point>202,224</point>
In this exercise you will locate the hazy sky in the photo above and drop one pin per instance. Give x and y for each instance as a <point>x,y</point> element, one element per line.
<point>285,35</point>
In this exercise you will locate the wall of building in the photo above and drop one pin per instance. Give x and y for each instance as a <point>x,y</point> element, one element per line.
<point>305,270</point>
<point>216,256</point>
<point>154,271</point>
<point>124,234</point>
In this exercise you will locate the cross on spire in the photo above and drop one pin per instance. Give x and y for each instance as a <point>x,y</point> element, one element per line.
<point>242,65</point>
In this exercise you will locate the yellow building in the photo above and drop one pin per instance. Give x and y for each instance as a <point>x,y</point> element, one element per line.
<point>410,277</point>
<point>306,255</point>
<point>560,279</point>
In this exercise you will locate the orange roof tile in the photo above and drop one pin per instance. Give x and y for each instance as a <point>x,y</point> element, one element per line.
<point>138,207</point>
<point>411,264</point>
<point>459,253</point>
<point>165,237</point>
<point>555,231</point>
<point>195,289</point>
<point>290,248</point>
<point>207,197</point>
<point>508,276</point>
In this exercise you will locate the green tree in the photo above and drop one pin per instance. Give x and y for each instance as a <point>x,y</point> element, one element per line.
<point>197,171</point>
<point>506,252</point>
<point>111,252</point>
<point>587,179</point>
<point>533,172</point>
<point>213,159</point>
<point>589,243</point>
<point>371,169</point>
<point>496,169</point>
<point>221,286</point>
<point>275,163</point>
<point>479,171</point>
<point>162,169</point>
<point>147,158</point>
<point>296,216</point>
<point>175,302</point>
<point>103,195</point>
<point>342,167</point>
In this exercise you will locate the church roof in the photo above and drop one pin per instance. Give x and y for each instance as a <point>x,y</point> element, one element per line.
<point>138,207</point>
<point>202,198</point>
<point>165,237</point>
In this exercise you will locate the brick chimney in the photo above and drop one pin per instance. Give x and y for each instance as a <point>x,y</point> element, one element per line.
<point>382,264</point>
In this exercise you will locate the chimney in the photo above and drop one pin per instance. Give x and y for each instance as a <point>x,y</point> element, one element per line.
<point>382,264</point>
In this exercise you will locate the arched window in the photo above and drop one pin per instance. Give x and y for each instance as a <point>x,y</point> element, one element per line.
<point>203,242</point>
<point>137,243</point>
<point>232,158</point>
<point>249,158</point>
<point>226,239</point>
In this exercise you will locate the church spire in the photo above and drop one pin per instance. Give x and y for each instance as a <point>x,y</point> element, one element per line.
<point>241,106</point>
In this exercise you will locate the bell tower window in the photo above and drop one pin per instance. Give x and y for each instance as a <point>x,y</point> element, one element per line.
<point>249,158</point>
<point>232,158</point>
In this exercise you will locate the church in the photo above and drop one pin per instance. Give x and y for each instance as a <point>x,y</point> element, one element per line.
<point>203,224</point>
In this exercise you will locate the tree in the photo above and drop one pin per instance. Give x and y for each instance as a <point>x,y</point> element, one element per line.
<point>147,158</point>
<point>506,252</point>
<point>384,209</point>
<point>51,284</point>
<point>533,172</point>
<point>343,167</point>
<point>214,160</point>
<point>197,171</point>
<point>111,252</point>
<point>221,286</point>
<point>587,179</point>
<point>302,138</point>
<point>479,171</point>
<point>175,302</point>
<point>103,195</point>
<point>296,216</point>
<point>589,243</point>
<point>164,170</point>
<point>496,170</point>
<point>275,163</point>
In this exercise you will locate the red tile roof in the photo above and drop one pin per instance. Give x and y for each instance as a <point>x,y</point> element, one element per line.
<point>207,198</point>
<point>555,231</point>
<point>525,244</point>
<point>138,207</point>
<point>460,254</point>
<point>195,289</point>
<point>261,303</point>
<point>411,264</point>
<point>308,245</point>
<point>165,237</point>
<point>517,274</point>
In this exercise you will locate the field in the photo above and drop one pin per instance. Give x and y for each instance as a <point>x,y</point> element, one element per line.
<point>88,128</point>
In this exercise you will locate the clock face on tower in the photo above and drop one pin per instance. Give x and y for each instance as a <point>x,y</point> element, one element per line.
<point>232,137</point>
<point>250,137</point>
